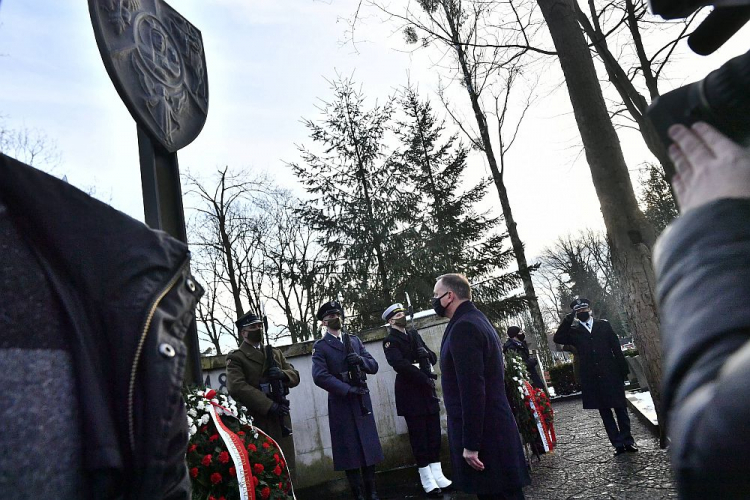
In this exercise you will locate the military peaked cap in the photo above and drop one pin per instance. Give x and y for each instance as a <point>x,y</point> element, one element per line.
<point>393,310</point>
<point>247,320</point>
<point>579,304</point>
<point>329,308</point>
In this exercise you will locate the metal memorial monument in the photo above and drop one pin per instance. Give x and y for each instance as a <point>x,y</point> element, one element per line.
<point>155,60</point>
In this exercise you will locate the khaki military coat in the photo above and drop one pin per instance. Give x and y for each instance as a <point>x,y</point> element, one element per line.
<point>245,368</point>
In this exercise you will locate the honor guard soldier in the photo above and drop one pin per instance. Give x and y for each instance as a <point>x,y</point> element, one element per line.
<point>252,377</point>
<point>416,399</point>
<point>340,362</point>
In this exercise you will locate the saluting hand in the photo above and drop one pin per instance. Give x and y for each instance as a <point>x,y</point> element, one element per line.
<point>472,458</point>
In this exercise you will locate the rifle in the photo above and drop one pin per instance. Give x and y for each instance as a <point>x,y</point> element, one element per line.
<point>355,376</point>
<point>424,363</point>
<point>276,390</point>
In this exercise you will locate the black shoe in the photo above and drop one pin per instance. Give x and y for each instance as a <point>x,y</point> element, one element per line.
<point>436,493</point>
<point>619,450</point>
<point>631,448</point>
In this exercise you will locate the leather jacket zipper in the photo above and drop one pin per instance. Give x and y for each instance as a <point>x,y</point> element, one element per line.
<point>144,333</point>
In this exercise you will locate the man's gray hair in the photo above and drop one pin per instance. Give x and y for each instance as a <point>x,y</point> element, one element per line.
<point>458,284</point>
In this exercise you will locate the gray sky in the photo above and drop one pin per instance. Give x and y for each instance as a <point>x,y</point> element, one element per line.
<point>268,63</point>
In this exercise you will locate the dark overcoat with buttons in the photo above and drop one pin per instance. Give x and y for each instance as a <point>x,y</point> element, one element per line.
<point>479,416</point>
<point>354,437</point>
<point>602,365</point>
<point>415,393</point>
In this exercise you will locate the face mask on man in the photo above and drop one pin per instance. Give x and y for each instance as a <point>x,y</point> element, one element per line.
<point>255,336</point>
<point>400,322</point>
<point>521,337</point>
<point>437,306</point>
<point>583,316</point>
<point>334,324</point>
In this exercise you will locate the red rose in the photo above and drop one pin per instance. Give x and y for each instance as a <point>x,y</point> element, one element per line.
<point>194,472</point>
<point>214,437</point>
<point>282,463</point>
<point>266,445</point>
<point>241,433</point>
<point>206,461</point>
<point>215,478</point>
<point>265,492</point>
<point>204,428</point>
<point>192,448</point>
<point>258,468</point>
<point>222,498</point>
<point>276,457</point>
<point>277,470</point>
<point>252,447</point>
<point>281,487</point>
<point>211,497</point>
<point>232,471</point>
<point>223,457</point>
<point>269,440</point>
<point>211,394</point>
<point>255,481</point>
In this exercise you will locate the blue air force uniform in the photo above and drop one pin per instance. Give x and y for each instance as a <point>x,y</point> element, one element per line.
<point>354,437</point>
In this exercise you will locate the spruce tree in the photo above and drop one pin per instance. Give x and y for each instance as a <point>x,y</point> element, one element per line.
<point>447,234</point>
<point>351,181</point>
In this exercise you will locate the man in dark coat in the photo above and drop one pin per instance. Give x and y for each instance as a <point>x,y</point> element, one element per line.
<point>486,450</point>
<point>603,370</point>
<point>517,343</point>
<point>248,377</point>
<point>416,399</point>
<point>354,436</point>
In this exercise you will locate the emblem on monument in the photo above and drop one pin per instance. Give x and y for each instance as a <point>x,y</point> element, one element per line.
<point>156,61</point>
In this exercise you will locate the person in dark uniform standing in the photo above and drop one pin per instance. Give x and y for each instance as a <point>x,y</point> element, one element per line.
<point>603,370</point>
<point>354,435</point>
<point>247,369</point>
<point>517,343</point>
<point>416,399</point>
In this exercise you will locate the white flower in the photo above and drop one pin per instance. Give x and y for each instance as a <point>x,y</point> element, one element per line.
<point>205,418</point>
<point>192,412</point>
<point>193,430</point>
<point>200,405</point>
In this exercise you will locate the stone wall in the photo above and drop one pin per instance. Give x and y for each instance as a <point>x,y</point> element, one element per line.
<point>309,405</point>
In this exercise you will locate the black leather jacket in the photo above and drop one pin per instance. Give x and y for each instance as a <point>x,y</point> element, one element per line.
<point>128,296</point>
<point>703,277</point>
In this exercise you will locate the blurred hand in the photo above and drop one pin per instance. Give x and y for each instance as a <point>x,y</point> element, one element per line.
<point>358,391</point>
<point>354,359</point>
<point>472,458</point>
<point>278,410</point>
<point>422,352</point>
<point>709,166</point>
<point>275,373</point>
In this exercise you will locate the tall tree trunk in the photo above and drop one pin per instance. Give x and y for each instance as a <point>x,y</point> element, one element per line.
<point>631,236</point>
<point>497,177</point>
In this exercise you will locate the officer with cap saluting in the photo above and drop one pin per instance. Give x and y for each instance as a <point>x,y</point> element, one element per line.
<point>602,370</point>
<point>248,373</point>
<point>416,399</point>
<point>354,436</point>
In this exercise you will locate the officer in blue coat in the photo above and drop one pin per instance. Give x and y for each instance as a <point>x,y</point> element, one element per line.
<point>486,450</point>
<point>416,399</point>
<point>337,358</point>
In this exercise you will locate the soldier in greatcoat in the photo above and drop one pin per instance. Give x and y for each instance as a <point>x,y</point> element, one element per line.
<point>247,369</point>
<point>354,436</point>
<point>603,370</point>
<point>416,399</point>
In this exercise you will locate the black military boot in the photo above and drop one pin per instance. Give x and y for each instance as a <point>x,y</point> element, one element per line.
<point>355,482</point>
<point>368,473</point>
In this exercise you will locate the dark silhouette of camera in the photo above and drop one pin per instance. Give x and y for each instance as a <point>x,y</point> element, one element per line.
<point>723,97</point>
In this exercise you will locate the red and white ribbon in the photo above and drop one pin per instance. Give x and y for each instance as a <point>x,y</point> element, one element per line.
<point>236,449</point>
<point>547,436</point>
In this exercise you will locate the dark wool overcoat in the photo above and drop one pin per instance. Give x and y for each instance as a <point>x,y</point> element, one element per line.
<point>415,392</point>
<point>479,417</point>
<point>602,365</point>
<point>354,437</point>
